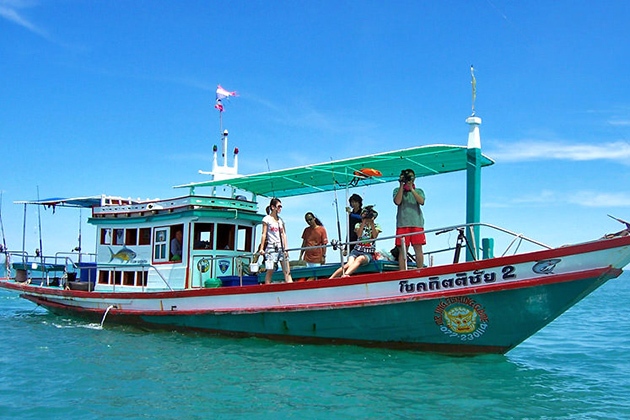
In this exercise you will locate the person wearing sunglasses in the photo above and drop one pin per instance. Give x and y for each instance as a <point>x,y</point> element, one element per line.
<point>273,242</point>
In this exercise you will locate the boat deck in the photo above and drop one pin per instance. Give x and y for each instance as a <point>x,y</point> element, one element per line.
<point>301,273</point>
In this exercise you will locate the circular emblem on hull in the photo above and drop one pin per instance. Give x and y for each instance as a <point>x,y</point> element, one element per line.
<point>461,317</point>
<point>203,265</point>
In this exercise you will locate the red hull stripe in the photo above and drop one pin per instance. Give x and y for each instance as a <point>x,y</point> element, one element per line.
<point>356,279</point>
<point>353,280</point>
<point>558,278</point>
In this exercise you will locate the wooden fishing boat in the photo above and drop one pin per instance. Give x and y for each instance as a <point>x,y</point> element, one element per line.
<point>482,305</point>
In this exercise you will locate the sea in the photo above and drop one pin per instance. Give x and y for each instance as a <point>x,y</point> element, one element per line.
<point>51,367</point>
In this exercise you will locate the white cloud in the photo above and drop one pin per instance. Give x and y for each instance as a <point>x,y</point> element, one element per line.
<point>538,150</point>
<point>545,196</point>
<point>619,122</point>
<point>9,11</point>
<point>584,198</point>
<point>599,199</point>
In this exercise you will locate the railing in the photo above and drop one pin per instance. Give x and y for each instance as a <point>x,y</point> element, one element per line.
<point>45,264</point>
<point>115,266</point>
<point>90,255</point>
<point>62,261</point>
<point>462,242</point>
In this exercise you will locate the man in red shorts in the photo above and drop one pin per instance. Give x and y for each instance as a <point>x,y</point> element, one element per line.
<point>409,217</point>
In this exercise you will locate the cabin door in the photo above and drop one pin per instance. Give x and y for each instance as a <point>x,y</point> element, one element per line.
<point>202,270</point>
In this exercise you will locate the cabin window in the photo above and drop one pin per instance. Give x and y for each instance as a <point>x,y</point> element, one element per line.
<point>103,277</point>
<point>177,243</point>
<point>203,235</point>
<point>160,244</point>
<point>225,236</point>
<point>145,236</point>
<point>129,278</point>
<point>125,278</point>
<point>244,238</point>
<point>117,277</point>
<point>119,236</point>
<point>131,236</point>
<point>141,278</point>
<point>106,236</point>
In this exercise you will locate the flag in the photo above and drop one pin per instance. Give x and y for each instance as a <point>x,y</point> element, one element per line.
<point>222,93</point>
<point>218,105</point>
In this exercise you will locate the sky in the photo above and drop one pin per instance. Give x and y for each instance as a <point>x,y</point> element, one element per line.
<point>116,97</point>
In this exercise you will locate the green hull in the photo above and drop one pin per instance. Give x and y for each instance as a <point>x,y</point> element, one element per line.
<point>489,322</point>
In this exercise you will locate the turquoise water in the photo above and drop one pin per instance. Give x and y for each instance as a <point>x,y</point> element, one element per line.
<point>55,368</point>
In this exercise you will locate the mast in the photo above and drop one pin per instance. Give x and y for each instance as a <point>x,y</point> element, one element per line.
<point>223,171</point>
<point>473,178</point>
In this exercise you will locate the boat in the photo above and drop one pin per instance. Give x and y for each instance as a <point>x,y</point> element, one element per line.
<point>485,304</point>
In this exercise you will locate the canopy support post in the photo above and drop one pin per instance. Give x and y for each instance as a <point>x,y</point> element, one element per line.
<point>473,186</point>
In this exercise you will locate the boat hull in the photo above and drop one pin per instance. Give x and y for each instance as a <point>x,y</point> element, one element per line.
<point>487,306</point>
<point>494,322</point>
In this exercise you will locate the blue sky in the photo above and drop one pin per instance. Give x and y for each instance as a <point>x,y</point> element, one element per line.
<point>117,97</point>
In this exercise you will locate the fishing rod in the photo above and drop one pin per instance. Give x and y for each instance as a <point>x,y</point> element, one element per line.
<point>39,217</point>
<point>79,247</point>
<point>4,241</point>
<point>343,271</point>
<point>273,190</point>
<point>24,237</point>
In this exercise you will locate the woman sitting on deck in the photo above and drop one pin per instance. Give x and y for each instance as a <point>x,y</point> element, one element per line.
<point>363,252</point>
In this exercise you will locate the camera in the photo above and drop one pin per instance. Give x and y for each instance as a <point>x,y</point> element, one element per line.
<point>406,175</point>
<point>369,213</point>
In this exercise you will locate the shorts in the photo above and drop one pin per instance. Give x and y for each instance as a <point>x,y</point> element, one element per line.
<point>356,254</point>
<point>272,257</point>
<point>418,239</point>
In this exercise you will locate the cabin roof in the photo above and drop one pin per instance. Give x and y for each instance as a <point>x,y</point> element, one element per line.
<point>84,202</point>
<point>308,179</point>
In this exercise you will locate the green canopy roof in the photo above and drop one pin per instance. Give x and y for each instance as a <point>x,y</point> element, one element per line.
<point>424,160</point>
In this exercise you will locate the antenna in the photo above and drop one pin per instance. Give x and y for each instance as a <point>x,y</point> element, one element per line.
<point>474,88</point>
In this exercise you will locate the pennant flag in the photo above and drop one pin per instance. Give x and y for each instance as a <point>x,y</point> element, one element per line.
<point>218,105</point>
<point>222,93</point>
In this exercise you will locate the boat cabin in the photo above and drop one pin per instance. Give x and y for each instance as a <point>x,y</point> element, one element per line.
<point>173,244</point>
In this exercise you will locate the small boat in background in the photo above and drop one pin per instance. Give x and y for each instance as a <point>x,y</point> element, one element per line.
<point>486,304</point>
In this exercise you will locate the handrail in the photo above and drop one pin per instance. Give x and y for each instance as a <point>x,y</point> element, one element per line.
<point>517,237</point>
<point>79,254</point>
<point>137,265</point>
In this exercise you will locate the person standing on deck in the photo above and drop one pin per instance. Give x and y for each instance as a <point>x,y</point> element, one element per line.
<point>354,216</point>
<point>273,242</point>
<point>313,235</point>
<point>409,218</point>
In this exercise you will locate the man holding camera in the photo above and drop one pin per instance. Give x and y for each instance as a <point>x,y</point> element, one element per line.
<point>409,219</point>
